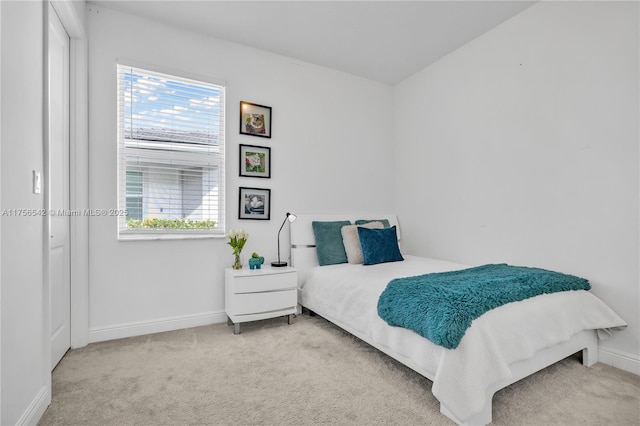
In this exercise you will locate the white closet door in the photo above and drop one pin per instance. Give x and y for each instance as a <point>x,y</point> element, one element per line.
<point>59,259</point>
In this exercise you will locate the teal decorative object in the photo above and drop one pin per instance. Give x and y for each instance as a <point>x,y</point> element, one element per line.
<point>441,306</point>
<point>385,222</point>
<point>329,245</point>
<point>256,261</point>
<point>379,245</point>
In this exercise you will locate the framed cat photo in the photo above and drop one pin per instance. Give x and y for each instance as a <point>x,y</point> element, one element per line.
<point>255,203</point>
<point>255,161</point>
<point>255,120</point>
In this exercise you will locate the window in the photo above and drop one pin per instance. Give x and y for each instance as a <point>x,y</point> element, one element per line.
<point>170,155</point>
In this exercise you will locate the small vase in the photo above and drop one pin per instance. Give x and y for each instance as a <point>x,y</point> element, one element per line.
<point>237,262</point>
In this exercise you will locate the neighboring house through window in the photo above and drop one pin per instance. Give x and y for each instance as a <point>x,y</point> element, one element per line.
<point>134,194</point>
<point>170,155</point>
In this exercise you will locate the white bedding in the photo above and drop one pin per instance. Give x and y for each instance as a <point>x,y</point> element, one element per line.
<point>348,295</point>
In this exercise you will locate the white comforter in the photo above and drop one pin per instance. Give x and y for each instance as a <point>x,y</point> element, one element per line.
<point>348,295</point>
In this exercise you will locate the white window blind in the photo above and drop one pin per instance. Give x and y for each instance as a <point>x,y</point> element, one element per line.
<point>170,155</point>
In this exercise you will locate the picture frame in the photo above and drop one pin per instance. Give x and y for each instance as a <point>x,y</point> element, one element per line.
<point>255,161</point>
<point>254,203</point>
<point>255,120</point>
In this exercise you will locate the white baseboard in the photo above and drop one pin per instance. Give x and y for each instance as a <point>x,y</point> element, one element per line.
<point>155,326</point>
<point>623,361</point>
<point>37,407</point>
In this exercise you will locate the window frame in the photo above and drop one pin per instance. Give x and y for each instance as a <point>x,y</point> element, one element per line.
<point>142,234</point>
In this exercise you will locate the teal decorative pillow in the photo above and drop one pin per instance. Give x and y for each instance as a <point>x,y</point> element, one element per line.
<point>351,241</point>
<point>379,245</point>
<point>329,246</point>
<point>385,222</point>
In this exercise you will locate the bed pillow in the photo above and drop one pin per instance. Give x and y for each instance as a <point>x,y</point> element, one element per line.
<point>329,247</point>
<point>379,245</point>
<point>351,241</point>
<point>385,222</point>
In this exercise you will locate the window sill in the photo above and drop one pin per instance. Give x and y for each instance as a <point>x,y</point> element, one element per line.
<point>144,236</point>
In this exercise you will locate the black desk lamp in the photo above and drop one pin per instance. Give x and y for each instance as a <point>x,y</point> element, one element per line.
<point>290,217</point>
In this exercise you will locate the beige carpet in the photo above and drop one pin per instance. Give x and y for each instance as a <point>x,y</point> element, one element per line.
<point>307,373</point>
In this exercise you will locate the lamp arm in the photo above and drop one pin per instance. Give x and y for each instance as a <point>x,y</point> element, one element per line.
<point>290,217</point>
<point>281,226</point>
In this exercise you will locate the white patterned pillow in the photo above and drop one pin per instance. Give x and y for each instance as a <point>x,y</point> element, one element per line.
<point>352,242</point>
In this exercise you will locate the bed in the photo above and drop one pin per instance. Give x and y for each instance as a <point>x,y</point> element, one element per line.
<point>501,347</point>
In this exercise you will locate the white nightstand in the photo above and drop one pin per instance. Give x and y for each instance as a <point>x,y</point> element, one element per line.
<point>257,294</point>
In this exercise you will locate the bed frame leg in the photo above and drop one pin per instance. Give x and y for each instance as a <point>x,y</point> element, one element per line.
<point>482,418</point>
<point>589,356</point>
<point>590,350</point>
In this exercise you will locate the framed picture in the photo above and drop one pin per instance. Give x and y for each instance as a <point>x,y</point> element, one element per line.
<point>255,161</point>
<point>255,120</point>
<point>255,203</point>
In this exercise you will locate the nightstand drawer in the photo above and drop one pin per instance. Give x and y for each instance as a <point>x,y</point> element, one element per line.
<point>253,303</point>
<point>249,283</point>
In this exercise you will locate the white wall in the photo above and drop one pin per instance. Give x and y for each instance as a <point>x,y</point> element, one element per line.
<point>332,150</point>
<point>522,147</point>
<point>24,381</point>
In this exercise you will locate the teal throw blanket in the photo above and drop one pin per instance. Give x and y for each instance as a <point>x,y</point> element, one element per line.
<point>441,306</point>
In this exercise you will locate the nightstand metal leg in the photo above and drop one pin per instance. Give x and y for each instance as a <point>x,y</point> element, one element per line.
<point>236,328</point>
<point>290,318</point>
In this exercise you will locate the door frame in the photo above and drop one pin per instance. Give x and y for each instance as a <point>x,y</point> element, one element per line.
<point>78,175</point>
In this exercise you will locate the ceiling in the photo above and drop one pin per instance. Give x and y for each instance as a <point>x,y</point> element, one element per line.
<point>385,41</point>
